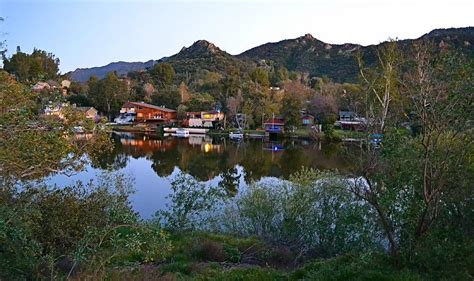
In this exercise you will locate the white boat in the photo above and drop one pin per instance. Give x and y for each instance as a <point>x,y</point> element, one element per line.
<point>196,131</point>
<point>125,118</point>
<point>181,133</point>
<point>236,135</point>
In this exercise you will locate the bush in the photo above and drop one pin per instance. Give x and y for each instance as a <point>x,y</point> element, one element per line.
<point>52,231</point>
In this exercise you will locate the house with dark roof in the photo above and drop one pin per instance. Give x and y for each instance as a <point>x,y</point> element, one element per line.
<point>274,125</point>
<point>149,113</point>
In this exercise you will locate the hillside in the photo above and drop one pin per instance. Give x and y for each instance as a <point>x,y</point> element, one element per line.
<point>122,68</point>
<point>307,54</point>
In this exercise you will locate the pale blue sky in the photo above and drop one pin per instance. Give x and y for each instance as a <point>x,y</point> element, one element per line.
<point>86,33</point>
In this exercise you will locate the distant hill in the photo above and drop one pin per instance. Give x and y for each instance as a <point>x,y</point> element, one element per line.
<point>122,68</point>
<point>302,54</point>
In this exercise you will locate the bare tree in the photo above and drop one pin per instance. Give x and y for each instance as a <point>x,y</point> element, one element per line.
<point>381,85</point>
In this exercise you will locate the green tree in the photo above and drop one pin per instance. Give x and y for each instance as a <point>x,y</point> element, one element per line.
<point>162,75</point>
<point>39,65</point>
<point>260,77</point>
<point>108,94</point>
<point>291,111</point>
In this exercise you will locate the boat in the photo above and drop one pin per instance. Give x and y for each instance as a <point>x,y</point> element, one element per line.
<point>125,118</point>
<point>181,133</point>
<point>236,135</point>
<point>196,131</point>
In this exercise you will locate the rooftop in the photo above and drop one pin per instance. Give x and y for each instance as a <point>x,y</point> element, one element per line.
<point>162,108</point>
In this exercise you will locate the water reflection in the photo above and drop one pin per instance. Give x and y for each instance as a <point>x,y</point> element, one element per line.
<point>154,162</point>
<point>205,157</point>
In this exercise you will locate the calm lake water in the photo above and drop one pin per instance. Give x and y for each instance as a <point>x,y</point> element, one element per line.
<point>154,162</point>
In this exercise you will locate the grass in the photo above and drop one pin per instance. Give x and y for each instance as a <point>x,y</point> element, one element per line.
<point>344,134</point>
<point>206,256</point>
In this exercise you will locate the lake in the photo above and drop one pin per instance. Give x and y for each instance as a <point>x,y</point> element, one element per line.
<point>153,162</point>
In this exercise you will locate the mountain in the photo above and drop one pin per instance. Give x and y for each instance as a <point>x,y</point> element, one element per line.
<point>302,54</point>
<point>204,55</point>
<point>308,54</point>
<point>122,68</point>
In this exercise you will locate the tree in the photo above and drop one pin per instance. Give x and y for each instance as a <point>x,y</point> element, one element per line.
<point>181,111</point>
<point>381,85</point>
<point>411,180</point>
<point>201,102</point>
<point>162,75</point>
<point>33,146</point>
<point>278,76</point>
<point>442,97</point>
<point>325,110</point>
<point>291,111</point>
<point>260,77</point>
<point>39,65</point>
<point>184,93</point>
<point>108,94</point>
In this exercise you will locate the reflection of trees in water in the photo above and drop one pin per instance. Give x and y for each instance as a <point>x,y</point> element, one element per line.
<point>292,159</point>
<point>165,161</point>
<point>204,162</point>
<point>230,181</point>
<point>112,160</point>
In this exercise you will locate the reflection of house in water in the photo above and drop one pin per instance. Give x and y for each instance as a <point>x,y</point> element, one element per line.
<point>205,143</point>
<point>147,144</point>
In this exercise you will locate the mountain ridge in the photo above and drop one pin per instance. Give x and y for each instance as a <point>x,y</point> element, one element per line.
<point>302,54</point>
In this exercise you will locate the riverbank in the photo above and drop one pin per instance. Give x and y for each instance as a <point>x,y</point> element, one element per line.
<point>302,133</point>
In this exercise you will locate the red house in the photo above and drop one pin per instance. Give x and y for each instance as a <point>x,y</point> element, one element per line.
<point>149,113</point>
<point>274,125</point>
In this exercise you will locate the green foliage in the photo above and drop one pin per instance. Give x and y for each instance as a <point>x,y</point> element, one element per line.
<point>260,77</point>
<point>162,75</point>
<point>109,94</point>
<point>41,224</point>
<point>29,68</point>
<point>291,106</point>
<point>189,200</point>
<point>314,213</point>
<point>362,267</point>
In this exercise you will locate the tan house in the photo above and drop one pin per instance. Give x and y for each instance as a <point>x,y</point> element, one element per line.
<point>89,111</point>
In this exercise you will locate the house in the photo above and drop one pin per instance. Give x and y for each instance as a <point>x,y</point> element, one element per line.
<point>307,120</point>
<point>274,125</point>
<point>149,113</point>
<point>349,120</point>
<point>56,109</point>
<point>89,111</point>
<point>206,119</point>
<point>40,86</point>
<point>346,115</point>
<point>60,109</point>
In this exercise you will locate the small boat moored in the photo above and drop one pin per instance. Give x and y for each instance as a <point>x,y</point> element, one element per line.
<point>181,133</point>
<point>236,135</point>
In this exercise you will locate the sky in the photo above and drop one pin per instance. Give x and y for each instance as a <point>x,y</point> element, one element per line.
<point>87,33</point>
